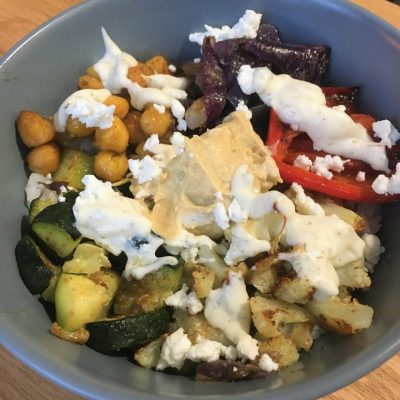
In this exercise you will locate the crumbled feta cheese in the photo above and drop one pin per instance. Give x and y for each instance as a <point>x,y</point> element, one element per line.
<point>384,185</point>
<point>372,251</point>
<point>183,301</point>
<point>178,141</point>
<point>34,187</point>
<point>247,347</point>
<point>244,245</point>
<point>61,198</point>
<point>235,212</point>
<point>243,107</point>
<point>385,131</point>
<point>210,350</point>
<point>172,68</point>
<point>144,170</point>
<point>360,176</point>
<point>246,27</point>
<point>151,143</point>
<point>141,193</point>
<point>159,108</point>
<point>323,165</point>
<point>196,60</point>
<point>303,162</point>
<point>174,350</point>
<point>305,204</point>
<point>220,215</point>
<point>178,111</point>
<point>266,363</point>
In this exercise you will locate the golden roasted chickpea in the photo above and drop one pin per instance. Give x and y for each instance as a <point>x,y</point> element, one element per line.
<point>44,159</point>
<point>132,122</point>
<point>110,166</point>
<point>88,82</point>
<point>115,138</point>
<point>92,72</point>
<point>77,128</point>
<point>121,105</point>
<point>34,129</point>
<point>152,122</point>
<point>159,65</point>
<point>138,72</point>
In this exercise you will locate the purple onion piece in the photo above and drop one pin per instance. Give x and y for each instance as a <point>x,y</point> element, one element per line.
<point>267,34</point>
<point>213,79</point>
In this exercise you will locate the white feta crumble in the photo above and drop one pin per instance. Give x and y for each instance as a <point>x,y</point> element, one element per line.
<point>178,141</point>
<point>35,186</point>
<point>141,193</point>
<point>372,251</point>
<point>236,213</point>
<point>305,204</point>
<point>87,106</point>
<point>384,185</point>
<point>151,143</point>
<point>266,363</point>
<point>220,215</point>
<point>144,170</point>
<point>303,162</point>
<point>174,350</point>
<point>247,347</point>
<point>243,107</point>
<point>324,165</point>
<point>178,111</point>
<point>183,301</point>
<point>210,350</point>
<point>246,27</point>
<point>61,198</point>
<point>360,177</point>
<point>196,60</point>
<point>385,131</point>
<point>172,68</point>
<point>160,108</point>
<point>244,245</point>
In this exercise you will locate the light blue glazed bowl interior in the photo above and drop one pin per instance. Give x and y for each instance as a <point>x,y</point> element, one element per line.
<point>41,71</point>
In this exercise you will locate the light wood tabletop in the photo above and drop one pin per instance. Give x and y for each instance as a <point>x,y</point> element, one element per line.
<point>19,382</point>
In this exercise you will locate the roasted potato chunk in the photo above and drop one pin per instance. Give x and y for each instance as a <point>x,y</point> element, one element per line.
<point>281,349</point>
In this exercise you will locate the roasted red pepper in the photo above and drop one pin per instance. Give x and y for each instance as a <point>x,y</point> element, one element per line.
<point>286,144</point>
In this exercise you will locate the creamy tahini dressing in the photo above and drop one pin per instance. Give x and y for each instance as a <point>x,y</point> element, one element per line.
<point>302,105</point>
<point>113,71</point>
<point>321,243</point>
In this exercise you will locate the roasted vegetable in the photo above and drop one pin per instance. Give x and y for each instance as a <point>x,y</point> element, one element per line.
<point>354,275</point>
<point>203,281</point>
<point>281,349</point>
<point>112,335</point>
<point>148,356</point>
<point>40,204</point>
<point>79,336</point>
<point>292,289</point>
<point>264,275</point>
<point>35,268</point>
<point>149,293</point>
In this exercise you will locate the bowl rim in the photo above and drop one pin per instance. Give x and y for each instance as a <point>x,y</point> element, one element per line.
<point>70,379</point>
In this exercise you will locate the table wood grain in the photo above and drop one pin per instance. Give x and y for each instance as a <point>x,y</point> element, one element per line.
<point>19,382</point>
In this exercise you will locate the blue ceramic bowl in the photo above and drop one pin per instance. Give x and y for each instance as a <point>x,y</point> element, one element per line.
<point>41,70</point>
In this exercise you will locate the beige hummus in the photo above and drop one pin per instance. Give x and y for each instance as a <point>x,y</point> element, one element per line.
<point>184,195</point>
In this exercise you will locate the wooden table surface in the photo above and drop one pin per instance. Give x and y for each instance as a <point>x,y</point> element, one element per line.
<point>18,382</point>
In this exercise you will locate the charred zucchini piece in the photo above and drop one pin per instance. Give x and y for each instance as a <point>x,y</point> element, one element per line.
<point>148,356</point>
<point>39,205</point>
<point>112,335</point>
<point>74,165</point>
<point>35,268</point>
<point>54,226</point>
<point>138,296</point>
<point>79,299</point>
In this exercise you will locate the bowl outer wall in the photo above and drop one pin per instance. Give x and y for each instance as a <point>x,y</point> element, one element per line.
<point>366,51</point>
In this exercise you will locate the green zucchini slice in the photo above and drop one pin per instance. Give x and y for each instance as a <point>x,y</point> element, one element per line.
<point>35,268</point>
<point>113,335</point>
<point>74,165</point>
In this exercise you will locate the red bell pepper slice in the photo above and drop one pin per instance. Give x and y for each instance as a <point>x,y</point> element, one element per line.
<point>286,144</point>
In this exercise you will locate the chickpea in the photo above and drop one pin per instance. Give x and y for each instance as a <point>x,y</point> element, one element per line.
<point>34,129</point>
<point>92,72</point>
<point>132,122</point>
<point>110,166</point>
<point>152,122</point>
<point>115,138</point>
<point>121,105</point>
<point>138,72</point>
<point>44,159</point>
<point>88,82</point>
<point>159,65</point>
<point>77,128</point>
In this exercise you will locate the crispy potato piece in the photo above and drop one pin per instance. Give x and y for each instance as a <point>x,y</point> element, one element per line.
<point>354,275</point>
<point>292,289</point>
<point>264,275</point>
<point>300,334</point>
<point>281,349</point>
<point>342,316</point>
<point>203,281</point>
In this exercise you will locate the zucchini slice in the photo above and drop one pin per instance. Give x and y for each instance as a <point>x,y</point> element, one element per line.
<point>35,268</point>
<point>139,296</point>
<point>112,335</point>
<point>54,226</point>
<point>74,165</point>
<point>39,205</point>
